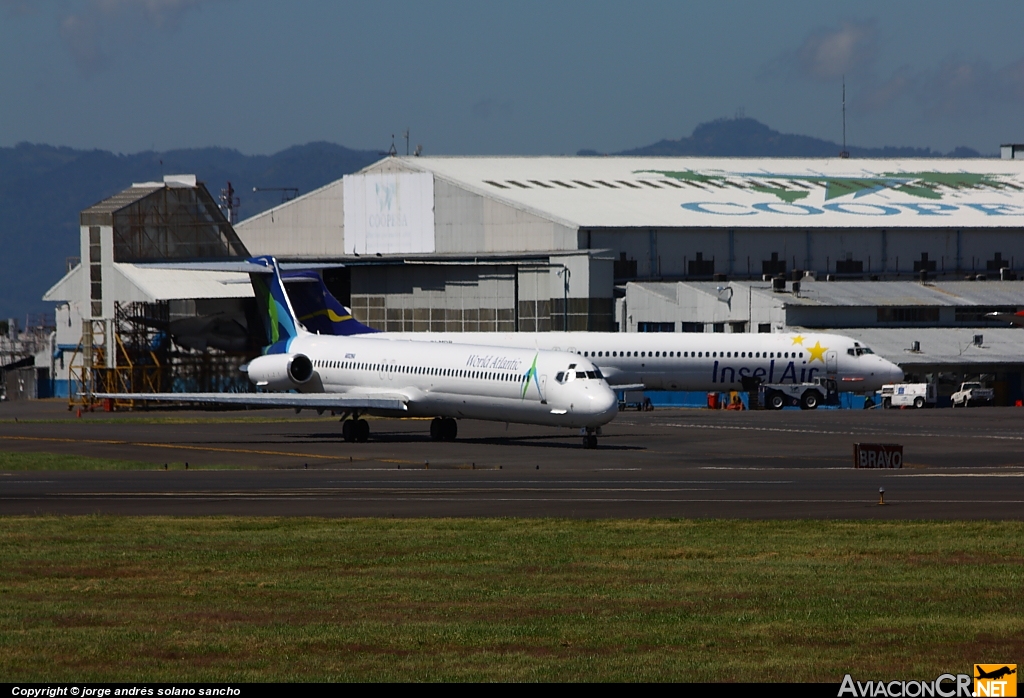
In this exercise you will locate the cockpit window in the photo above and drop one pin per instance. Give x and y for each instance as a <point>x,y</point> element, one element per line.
<point>559,376</point>
<point>591,374</point>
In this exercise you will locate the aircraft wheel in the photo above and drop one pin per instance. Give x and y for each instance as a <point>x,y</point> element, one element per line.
<point>776,402</point>
<point>362,430</point>
<point>449,429</point>
<point>436,428</point>
<point>809,401</point>
<point>348,432</point>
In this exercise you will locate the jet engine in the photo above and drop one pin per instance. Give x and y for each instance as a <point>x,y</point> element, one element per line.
<point>281,371</point>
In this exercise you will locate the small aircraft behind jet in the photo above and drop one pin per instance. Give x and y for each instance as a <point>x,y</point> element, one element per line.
<point>446,381</point>
<point>1016,318</point>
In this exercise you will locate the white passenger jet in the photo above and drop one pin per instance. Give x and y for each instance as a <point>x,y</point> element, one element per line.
<point>685,361</point>
<point>654,361</point>
<point>403,378</point>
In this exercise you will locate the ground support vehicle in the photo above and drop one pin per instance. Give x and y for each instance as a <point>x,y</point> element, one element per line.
<point>634,399</point>
<point>915,395</point>
<point>806,396</point>
<point>972,394</point>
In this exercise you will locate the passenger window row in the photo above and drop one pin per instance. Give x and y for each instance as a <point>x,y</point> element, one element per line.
<point>422,370</point>
<point>701,354</point>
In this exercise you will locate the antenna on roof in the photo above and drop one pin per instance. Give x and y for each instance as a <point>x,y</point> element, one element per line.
<point>844,153</point>
<point>406,134</point>
<point>393,151</point>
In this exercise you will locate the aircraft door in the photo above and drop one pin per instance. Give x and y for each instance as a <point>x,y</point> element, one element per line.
<point>831,363</point>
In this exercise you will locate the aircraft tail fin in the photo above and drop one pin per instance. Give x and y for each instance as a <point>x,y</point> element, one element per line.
<point>279,319</point>
<point>317,309</point>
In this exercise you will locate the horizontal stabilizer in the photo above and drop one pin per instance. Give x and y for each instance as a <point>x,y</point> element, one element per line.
<point>241,266</point>
<point>304,400</point>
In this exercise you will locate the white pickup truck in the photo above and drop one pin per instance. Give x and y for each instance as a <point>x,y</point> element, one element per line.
<point>972,394</point>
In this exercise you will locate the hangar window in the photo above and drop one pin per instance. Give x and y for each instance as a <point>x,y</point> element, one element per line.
<point>540,184</point>
<point>918,314</point>
<point>563,184</point>
<point>517,184</point>
<point>495,184</point>
<point>610,186</point>
<point>628,184</point>
<point>670,183</point>
<point>584,184</point>
<point>649,183</point>
<point>693,184</point>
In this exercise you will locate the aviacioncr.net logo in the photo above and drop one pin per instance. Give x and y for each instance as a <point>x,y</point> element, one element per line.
<point>945,686</point>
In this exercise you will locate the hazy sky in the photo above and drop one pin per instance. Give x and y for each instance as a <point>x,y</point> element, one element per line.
<point>504,78</point>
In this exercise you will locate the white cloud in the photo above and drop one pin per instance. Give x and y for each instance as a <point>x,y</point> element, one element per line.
<point>831,53</point>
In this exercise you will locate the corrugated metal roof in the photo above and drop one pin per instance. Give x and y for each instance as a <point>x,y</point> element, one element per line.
<point>746,192</point>
<point>900,293</point>
<point>170,284</point>
<point>100,213</point>
<point>943,346</point>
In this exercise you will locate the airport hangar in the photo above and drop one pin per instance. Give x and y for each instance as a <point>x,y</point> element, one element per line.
<point>601,243</point>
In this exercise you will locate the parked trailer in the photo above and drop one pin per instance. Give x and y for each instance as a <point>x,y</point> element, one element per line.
<point>916,395</point>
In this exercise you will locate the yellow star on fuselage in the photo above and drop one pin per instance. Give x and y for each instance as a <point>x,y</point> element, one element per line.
<point>799,339</point>
<point>817,352</point>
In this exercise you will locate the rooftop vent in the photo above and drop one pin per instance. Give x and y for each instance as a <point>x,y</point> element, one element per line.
<point>979,339</point>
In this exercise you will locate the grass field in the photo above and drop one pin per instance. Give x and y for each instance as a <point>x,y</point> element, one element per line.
<point>230,599</point>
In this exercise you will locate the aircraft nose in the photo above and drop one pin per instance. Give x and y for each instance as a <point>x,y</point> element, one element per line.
<point>895,374</point>
<point>605,403</point>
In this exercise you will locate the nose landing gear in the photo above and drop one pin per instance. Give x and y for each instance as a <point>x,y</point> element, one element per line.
<point>590,435</point>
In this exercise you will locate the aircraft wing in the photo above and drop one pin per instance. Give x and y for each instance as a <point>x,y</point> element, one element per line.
<point>330,401</point>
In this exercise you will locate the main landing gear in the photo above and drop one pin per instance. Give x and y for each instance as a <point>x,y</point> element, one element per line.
<point>590,435</point>
<point>355,430</point>
<point>443,429</point>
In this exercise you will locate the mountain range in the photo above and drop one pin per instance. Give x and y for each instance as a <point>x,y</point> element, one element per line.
<point>744,137</point>
<point>43,188</point>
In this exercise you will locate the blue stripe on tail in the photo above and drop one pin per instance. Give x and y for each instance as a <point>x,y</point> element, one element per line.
<point>318,310</point>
